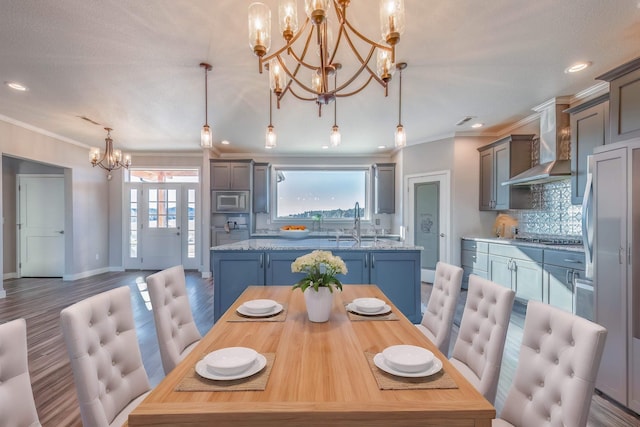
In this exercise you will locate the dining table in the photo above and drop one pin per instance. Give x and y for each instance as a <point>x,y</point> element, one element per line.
<point>315,374</point>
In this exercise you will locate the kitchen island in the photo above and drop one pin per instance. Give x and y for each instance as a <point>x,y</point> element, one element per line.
<point>390,264</point>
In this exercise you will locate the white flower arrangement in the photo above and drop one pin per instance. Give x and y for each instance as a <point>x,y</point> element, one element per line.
<point>321,268</point>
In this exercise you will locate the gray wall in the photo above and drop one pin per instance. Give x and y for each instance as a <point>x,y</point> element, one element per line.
<point>11,167</point>
<point>86,232</point>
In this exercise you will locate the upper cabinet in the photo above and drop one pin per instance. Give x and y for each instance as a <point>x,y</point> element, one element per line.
<point>624,97</point>
<point>261,188</point>
<point>589,129</point>
<point>500,161</point>
<point>231,175</point>
<point>385,188</point>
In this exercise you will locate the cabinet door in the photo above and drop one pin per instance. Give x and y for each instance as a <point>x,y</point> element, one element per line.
<point>610,268</point>
<point>397,274</point>
<point>486,180</point>
<point>527,279</point>
<point>385,189</point>
<point>357,267</point>
<point>558,286</point>
<point>625,107</point>
<point>278,267</point>
<point>502,173</point>
<point>240,176</point>
<point>233,271</point>
<point>500,270</point>
<point>588,131</point>
<point>220,176</point>
<point>261,189</point>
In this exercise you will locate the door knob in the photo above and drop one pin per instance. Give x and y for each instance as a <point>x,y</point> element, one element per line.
<point>441,234</point>
<point>61,232</point>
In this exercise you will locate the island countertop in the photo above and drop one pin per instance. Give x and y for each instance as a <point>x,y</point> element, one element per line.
<point>315,243</point>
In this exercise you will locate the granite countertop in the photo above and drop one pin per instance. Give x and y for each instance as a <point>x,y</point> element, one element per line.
<point>315,243</point>
<point>518,242</point>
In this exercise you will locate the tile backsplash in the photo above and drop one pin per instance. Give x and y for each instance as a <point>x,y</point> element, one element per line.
<point>552,213</point>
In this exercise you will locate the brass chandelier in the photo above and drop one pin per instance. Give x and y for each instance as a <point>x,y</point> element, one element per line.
<point>111,159</point>
<point>316,53</point>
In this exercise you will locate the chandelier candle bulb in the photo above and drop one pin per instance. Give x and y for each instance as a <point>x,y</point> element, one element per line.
<point>288,13</point>
<point>259,28</point>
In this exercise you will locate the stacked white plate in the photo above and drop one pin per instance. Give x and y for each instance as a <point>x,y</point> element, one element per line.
<point>368,306</point>
<point>407,361</point>
<point>231,363</point>
<point>260,308</point>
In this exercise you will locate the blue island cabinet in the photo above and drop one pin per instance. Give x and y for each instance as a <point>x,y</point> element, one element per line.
<point>397,274</point>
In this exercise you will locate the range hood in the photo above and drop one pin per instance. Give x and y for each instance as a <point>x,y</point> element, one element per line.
<point>554,163</point>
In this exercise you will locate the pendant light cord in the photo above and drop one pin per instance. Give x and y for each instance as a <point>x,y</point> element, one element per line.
<point>270,102</point>
<point>400,102</point>
<point>206,103</point>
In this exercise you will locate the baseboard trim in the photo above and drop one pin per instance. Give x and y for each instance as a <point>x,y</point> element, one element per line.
<point>84,274</point>
<point>7,276</point>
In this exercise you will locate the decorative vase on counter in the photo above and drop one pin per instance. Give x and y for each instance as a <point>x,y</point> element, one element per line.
<point>319,304</point>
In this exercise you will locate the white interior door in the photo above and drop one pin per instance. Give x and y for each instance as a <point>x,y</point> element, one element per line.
<point>160,228</point>
<point>428,219</point>
<point>41,225</point>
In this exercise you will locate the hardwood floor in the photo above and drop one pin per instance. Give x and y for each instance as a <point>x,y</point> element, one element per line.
<point>40,301</point>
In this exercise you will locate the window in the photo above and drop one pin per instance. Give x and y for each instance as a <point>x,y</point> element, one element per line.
<point>163,175</point>
<point>162,208</point>
<point>302,193</point>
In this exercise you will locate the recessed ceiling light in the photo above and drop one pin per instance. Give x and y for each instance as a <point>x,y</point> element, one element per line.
<point>16,86</point>
<point>578,66</point>
<point>225,142</point>
<point>477,125</point>
<point>381,147</point>
<point>325,147</point>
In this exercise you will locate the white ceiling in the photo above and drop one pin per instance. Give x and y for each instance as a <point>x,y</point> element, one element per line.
<point>134,66</point>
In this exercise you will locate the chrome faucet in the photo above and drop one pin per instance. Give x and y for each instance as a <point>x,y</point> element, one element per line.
<point>356,224</point>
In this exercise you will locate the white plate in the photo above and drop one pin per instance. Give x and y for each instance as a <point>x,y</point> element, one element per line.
<point>379,361</point>
<point>230,360</point>
<point>368,305</point>
<point>352,307</point>
<point>258,365</point>
<point>259,306</point>
<point>277,309</point>
<point>408,358</point>
<point>294,234</point>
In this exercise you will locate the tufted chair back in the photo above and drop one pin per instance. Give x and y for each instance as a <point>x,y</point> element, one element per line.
<point>438,318</point>
<point>101,340</point>
<point>557,367</point>
<point>17,407</point>
<point>176,330</point>
<point>477,352</point>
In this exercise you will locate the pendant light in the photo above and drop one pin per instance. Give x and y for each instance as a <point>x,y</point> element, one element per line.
<point>401,137</point>
<point>206,138</point>
<point>270,136</point>
<point>335,137</point>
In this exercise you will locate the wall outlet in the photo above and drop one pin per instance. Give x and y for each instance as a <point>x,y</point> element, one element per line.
<point>377,221</point>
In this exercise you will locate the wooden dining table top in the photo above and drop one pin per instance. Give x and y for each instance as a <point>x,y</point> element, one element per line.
<point>320,374</point>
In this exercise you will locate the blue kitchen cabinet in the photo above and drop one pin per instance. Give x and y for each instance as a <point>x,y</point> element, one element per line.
<point>233,271</point>
<point>397,274</point>
<point>278,267</point>
<point>357,267</point>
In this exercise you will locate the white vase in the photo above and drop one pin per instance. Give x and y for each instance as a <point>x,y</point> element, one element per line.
<point>318,303</point>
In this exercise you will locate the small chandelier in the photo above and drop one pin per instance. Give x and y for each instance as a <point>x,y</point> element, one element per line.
<point>317,31</point>
<point>270,136</point>
<point>206,138</point>
<point>401,136</point>
<point>111,159</point>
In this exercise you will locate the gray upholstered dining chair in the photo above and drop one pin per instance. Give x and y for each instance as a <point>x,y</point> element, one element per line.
<point>557,368</point>
<point>477,352</point>
<point>101,340</point>
<point>17,407</point>
<point>438,317</point>
<point>177,332</point>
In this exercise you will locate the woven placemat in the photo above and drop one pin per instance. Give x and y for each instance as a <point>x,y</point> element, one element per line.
<point>280,317</point>
<point>355,316</point>
<point>256,382</point>
<point>388,381</point>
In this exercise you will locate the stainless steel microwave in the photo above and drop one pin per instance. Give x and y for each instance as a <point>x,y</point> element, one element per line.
<point>230,201</point>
